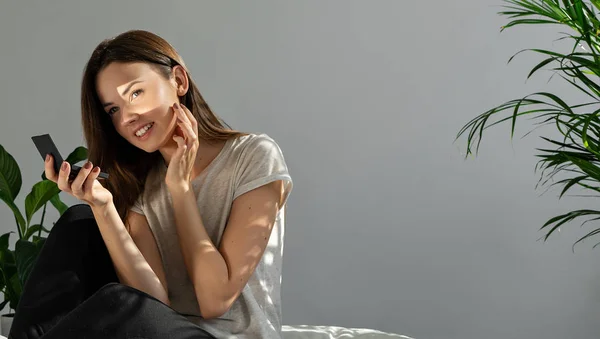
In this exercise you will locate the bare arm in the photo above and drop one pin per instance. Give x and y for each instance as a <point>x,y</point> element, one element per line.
<point>130,264</point>
<point>220,274</point>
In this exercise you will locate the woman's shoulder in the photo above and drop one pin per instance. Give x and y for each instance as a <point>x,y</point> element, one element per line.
<point>249,139</point>
<point>255,145</point>
<point>259,160</point>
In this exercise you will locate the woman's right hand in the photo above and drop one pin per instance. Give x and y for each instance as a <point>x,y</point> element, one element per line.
<point>84,186</point>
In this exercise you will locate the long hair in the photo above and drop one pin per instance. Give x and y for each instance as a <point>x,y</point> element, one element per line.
<point>127,165</point>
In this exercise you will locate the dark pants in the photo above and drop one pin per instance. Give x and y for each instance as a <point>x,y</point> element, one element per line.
<point>73,292</point>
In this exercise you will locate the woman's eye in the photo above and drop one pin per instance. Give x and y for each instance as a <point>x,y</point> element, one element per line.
<point>111,111</point>
<point>136,93</point>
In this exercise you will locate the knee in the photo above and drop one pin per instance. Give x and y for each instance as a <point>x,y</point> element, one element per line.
<point>119,288</point>
<point>78,211</point>
<point>73,218</point>
<point>122,291</point>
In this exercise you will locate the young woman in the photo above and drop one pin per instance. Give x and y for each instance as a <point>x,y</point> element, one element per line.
<point>185,238</point>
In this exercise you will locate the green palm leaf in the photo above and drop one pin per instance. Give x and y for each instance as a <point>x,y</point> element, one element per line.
<point>577,155</point>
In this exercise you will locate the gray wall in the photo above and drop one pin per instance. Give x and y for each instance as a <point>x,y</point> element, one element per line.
<point>389,227</point>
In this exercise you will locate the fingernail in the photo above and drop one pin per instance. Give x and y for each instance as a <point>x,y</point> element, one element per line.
<point>64,166</point>
<point>176,106</point>
<point>88,165</point>
<point>47,157</point>
<point>96,169</point>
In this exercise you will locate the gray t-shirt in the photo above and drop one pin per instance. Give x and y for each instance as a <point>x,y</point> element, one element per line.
<point>244,163</point>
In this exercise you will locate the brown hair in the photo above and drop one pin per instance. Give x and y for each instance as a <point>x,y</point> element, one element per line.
<point>127,165</point>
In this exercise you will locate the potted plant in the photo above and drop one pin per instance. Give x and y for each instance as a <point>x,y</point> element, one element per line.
<point>16,264</point>
<point>575,155</point>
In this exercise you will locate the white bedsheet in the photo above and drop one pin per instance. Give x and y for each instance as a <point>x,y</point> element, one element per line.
<point>329,332</point>
<point>334,332</point>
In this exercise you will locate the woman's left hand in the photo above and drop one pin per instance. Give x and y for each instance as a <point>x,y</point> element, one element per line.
<point>179,172</point>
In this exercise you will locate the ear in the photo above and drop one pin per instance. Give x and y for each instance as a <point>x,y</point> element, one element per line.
<point>181,81</point>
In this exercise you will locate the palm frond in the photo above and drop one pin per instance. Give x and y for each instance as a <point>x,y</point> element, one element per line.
<point>575,158</point>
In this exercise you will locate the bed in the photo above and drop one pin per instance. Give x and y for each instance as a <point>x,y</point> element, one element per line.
<point>329,332</point>
<point>335,332</point>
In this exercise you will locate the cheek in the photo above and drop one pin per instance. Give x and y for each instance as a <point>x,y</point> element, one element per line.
<point>161,113</point>
<point>160,102</point>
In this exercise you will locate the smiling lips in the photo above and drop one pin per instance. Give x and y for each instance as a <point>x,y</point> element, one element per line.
<point>142,131</point>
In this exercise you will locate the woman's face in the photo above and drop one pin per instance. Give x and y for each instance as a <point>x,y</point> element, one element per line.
<point>140,101</point>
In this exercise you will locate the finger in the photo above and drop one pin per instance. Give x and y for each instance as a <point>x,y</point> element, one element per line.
<point>180,143</point>
<point>183,131</point>
<point>190,136</point>
<point>77,184</point>
<point>193,124</point>
<point>181,147</point>
<point>63,177</point>
<point>49,168</point>
<point>190,116</point>
<point>89,181</point>
<point>186,116</point>
<point>181,113</point>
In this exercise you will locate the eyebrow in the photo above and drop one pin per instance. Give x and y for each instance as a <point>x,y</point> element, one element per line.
<point>124,92</point>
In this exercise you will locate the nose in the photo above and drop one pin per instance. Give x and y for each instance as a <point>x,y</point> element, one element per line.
<point>128,116</point>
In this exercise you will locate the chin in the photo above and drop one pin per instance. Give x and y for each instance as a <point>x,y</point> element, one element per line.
<point>148,146</point>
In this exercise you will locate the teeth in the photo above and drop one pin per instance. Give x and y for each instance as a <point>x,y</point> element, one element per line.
<point>143,130</point>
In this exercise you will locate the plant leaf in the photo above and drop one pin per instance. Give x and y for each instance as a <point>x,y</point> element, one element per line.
<point>9,272</point>
<point>10,175</point>
<point>60,206</point>
<point>32,230</point>
<point>39,243</point>
<point>40,194</point>
<point>16,290</point>
<point>4,239</point>
<point>3,304</point>
<point>79,154</point>
<point>15,209</point>
<point>25,256</point>
<point>10,184</point>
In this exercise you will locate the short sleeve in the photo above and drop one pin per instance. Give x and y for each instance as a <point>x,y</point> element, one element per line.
<point>261,163</point>
<point>138,206</point>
